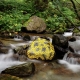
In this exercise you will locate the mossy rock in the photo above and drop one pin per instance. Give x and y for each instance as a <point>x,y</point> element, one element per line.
<point>35,24</point>
<point>22,70</point>
<point>9,77</point>
<point>41,49</point>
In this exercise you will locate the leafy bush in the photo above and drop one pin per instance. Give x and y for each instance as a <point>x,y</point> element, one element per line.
<point>13,21</point>
<point>13,13</point>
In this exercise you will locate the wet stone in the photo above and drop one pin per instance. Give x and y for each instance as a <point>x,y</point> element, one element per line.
<point>9,77</point>
<point>21,70</point>
<point>26,38</point>
<point>60,45</point>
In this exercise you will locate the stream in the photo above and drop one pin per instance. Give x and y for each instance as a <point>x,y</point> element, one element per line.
<point>66,69</point>
<point>6,60</point>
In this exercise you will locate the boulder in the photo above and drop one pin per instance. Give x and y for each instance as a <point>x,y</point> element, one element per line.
<point>60,45</point>
<point>41,49</point>
<point>35,24</point>
<point>21,70</point>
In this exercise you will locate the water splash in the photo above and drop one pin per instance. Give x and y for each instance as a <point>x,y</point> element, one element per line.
<point>6,60</point>
<point>18,38</point>
<point>67,34</point>
<point>73,67</point>
<point>70,63</point>
<point>7,56</point>
<point>70,60</point>
<point>20,44</point>
<point>75,45</point>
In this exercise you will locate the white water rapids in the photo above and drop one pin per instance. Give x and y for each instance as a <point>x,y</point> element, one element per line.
<point>6,61</point>
<point>71,63</point>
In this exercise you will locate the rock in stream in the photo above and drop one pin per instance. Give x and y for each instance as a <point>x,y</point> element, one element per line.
<point>21,70</point>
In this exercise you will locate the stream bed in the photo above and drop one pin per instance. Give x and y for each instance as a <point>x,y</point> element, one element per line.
<point>44,70</point>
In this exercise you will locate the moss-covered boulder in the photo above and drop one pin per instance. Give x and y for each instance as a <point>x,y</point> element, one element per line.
<point>36,24</point>
<point>21,70</point>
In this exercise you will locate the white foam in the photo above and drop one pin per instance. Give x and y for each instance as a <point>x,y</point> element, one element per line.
<point>73,67</point>
<point>6,60</point>
<point>75,45</point>
<point>67,34</point>
<point>16,39</point>
<point>20,44</point>
<point>6,64</point>
<point>70,63</point>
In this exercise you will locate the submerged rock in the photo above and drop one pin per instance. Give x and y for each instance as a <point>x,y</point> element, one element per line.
<point>21,70</point>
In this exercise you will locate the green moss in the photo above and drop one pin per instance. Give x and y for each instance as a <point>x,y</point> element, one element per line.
<point>60,30</point>
<point>76,30</point>
<point>26,23</point>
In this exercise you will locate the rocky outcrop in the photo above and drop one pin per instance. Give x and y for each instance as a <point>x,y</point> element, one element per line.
<point>60,45</point>
<point>21,70</point>
<point>35,24</point>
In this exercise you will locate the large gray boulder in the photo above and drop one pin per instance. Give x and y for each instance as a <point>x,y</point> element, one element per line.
<point>21,70</point>
<point>35,24</point>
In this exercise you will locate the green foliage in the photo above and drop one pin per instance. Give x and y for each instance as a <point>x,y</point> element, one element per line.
<point>60,16</point>
<point>76,30</point>
<point>13,21</point>
<point>13,13</point>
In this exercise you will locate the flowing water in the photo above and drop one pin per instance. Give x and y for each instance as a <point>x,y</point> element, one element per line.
<point>71,63</point>
<point>67,34</point>
<point>44,70</point>
<point>7,60</point>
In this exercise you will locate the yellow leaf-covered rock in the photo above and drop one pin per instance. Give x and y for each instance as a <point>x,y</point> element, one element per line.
<point>41,49</point>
